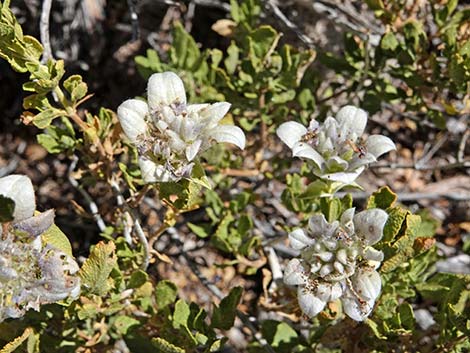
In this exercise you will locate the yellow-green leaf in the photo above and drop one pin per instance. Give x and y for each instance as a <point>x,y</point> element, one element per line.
<point>97,268</point>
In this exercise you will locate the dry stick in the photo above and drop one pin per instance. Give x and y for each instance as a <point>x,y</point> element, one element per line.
<point>44,30</point>
<point>410,116</point>
<point>289,24</point>
<point>353,19</point>
<point>216,291</point>
<point>414,196</point>
<point>127,221</point>
<point>462,144</point>
<point>188,21</point>
<point>11,166</point>
<point>462,164</point>
<point>90,203</point>
<point>213,3</point>
<point>425,159</point>
<point>139,231</point>
<point>134,20</point>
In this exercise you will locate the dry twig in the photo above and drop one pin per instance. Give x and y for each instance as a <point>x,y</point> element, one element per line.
<point>289,24</point>
<point>44,30</point>
<point>90,203</point>
<point>137,227</point>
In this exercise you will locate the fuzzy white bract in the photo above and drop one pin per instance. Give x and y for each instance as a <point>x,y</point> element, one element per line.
<point>31,273</point>
<point>337,261</point>
<point>169,133</point>
<point>336,148</point>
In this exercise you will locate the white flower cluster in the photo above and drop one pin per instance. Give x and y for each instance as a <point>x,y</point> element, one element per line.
<point>336,148</point>
<point>31,274</point>
<point>338,261</point>
<point>169,133</point>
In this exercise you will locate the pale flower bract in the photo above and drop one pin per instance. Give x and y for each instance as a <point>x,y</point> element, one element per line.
<point>169,133</point>
<point>31,273</point>
<point>336,148</point>
<point>337,261</point>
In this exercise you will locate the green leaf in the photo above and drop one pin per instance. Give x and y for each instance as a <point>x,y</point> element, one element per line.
<point>346,202</point>
<point>407,317</point>
<point>331,208</point>
<point>7,208</point>
<point>263,41</point>
<point>201,230</point>
<point>375,329</point>
<point>138,278</point>
<point>165,293</point>
<point>123,323</point>
<point>76,87</point>
<point>181,314</point>
<point>184,53</point>
<point>199,177</point>
<point>44,118</point>
<point>49,143</point>
<point>383,198</point>
<point>222,238</point>
<point>389,42</point>
<point>231,62</point>
<point>55,237</point>
<point>97,268</point>
<point>284,97</point>
<point>280,335</point>
<point>375,5</point>
<point>224,315</point>
<point>396,217</point>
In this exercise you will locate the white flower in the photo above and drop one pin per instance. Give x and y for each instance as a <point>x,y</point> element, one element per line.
<point>169,133</point>
<point>20,189</point>
<point>337,261</point>
<point>336,148</point>
<point>31,274</point>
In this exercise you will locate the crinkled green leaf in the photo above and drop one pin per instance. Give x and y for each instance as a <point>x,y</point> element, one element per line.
<point>382,198</point>
<point>122,324</point>
<point>165,293</point>
<point>97,268</point>
<point>164,346</point>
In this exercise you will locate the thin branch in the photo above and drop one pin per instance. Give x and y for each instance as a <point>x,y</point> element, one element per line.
<point>207,3</point>
<point>13,164</point>
<point>427,157</point>
<point>417,166</point>
<point>462,144</point>
<point>90,203</point>
<point>131,4</point>
<point>139,231</point>
<point>421,121</point>
<point>127,221</point>
<point>44,30</point>
<point>188,21</point>
<point>289,24</point>
<point>213,3</point>
<point>415,196</point>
